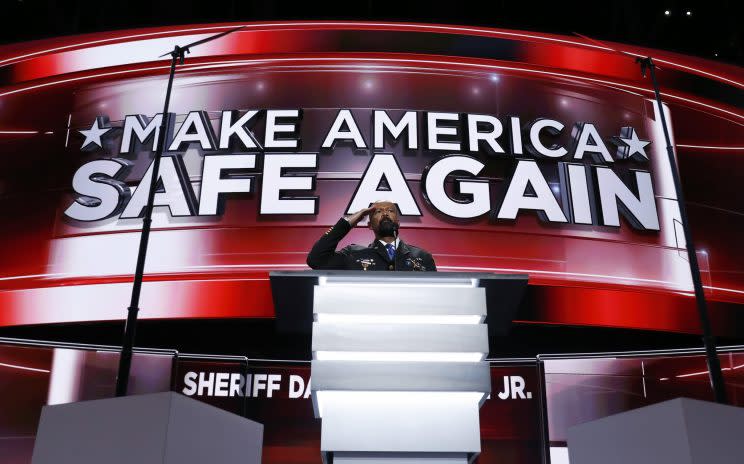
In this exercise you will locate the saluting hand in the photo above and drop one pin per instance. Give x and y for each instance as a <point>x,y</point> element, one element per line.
<point>359,215</point>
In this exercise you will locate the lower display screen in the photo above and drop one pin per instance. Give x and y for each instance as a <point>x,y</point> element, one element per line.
<point>579,390</point>
<point>531,407</point>
<point>277,394</point>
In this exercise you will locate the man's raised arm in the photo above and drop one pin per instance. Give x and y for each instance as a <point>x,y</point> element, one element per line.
<point>323,255</point>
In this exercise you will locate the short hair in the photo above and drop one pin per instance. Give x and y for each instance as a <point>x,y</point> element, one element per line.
<point>397,208</point>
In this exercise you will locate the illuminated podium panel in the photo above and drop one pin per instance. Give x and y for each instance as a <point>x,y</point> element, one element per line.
<point>398,371</point>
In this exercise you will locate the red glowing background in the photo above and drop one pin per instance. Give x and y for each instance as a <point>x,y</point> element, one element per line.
<point>56,271</point>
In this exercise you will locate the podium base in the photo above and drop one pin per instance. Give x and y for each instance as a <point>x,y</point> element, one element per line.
<point>679,431</point>
<point>158,428</point>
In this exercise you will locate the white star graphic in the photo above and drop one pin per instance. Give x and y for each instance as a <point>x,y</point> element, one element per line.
<point>629,145</point>
<point>93,135</point>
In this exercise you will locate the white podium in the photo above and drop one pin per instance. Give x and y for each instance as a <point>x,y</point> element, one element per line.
<point>398,370</point>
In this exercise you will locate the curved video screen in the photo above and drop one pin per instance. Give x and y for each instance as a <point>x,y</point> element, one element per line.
<point>505,152</point>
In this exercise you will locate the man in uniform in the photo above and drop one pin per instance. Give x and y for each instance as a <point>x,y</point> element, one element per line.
<point>386,253</point>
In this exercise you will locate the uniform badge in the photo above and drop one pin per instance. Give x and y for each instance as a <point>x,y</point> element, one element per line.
<point>366,262</point>
<point>416,263</point>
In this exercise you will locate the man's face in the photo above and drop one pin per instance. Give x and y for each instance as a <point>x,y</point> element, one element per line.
<point>384,219</point>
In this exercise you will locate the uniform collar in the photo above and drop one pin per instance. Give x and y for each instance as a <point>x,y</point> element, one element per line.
<point>396,243</point>
<point>401,248</point>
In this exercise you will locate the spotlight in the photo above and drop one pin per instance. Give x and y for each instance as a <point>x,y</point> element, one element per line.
<point>667,13</point>
<point>688,13</point>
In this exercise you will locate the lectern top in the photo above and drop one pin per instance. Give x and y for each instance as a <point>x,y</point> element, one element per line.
<point>294,292</point>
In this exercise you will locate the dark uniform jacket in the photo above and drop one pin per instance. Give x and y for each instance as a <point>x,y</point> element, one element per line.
<point>370,258</point>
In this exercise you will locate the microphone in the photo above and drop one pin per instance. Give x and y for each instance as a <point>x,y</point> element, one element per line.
<point>395,258</point>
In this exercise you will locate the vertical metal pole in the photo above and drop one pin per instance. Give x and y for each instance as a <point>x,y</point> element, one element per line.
<point>714,365</point>
<point>125,360</point>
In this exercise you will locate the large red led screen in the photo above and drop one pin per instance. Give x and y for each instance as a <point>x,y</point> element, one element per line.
<point>505,151</point>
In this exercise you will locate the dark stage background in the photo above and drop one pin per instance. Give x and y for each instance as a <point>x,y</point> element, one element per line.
<point>712,29</point>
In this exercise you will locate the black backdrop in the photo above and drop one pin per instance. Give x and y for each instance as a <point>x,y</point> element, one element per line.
<point>712,29</point>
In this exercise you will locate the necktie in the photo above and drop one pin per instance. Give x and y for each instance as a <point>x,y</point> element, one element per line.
<point>391,251</point>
